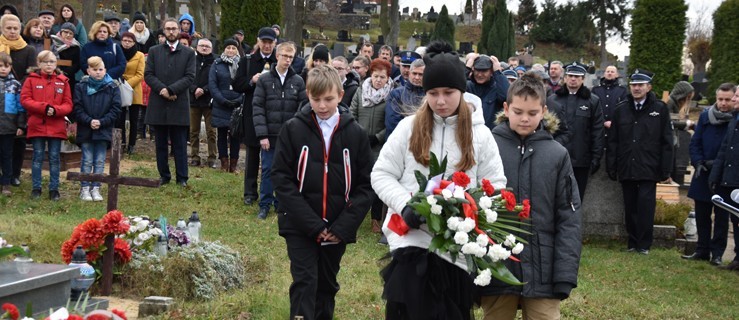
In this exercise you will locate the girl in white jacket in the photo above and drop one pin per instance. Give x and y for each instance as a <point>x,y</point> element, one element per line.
<point>420,284</point>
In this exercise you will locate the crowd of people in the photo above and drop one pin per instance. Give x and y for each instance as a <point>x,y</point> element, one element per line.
<point>337,137</point>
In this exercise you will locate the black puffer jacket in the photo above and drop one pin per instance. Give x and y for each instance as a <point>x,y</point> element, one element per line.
<point>640,142</point>
<point>274,102</point>
<point>543,174</point>
<point>249,66</point>
<point>302,166</point>
<point>584,118</point>
<point>724,172</point>
<point>350,87</point>
<point>202,72</point>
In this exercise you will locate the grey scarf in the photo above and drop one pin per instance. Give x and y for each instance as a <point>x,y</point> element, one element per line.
<point>233,63</point>
<point>716,117</point>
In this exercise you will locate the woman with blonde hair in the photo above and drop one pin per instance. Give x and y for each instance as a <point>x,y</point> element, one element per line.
<point>318,57</point>
<point>101,44</point>
<point>420,284</point>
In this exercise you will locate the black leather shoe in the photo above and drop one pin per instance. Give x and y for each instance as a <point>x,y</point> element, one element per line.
<point>630,250</point>
<point>163,181</point>
<point>248,201</point>
<point>696,256</point>
<point>716,261</point>
<point>15,182</point>
<point>35,193</point>
<point>734,265</point>
<point>54,195</point>
<point>263,213</point>
<point>182,184</point>
<point>643,251</point>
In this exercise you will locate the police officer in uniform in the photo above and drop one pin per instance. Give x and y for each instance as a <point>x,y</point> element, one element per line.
<point>584,117</point>
<point>640,155</point>
<point>406,58</point>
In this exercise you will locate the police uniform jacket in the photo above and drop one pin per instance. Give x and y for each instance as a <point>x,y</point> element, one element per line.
<point>724,172</point>
<point>640,142</point>
<point>584,119</point>
<point>610,94</point>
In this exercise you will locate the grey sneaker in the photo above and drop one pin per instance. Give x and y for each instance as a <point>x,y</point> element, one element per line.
<point>85,194</point>
<point>95,193</point>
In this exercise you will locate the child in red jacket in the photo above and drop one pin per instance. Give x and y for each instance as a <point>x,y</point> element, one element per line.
<point>47,98</point>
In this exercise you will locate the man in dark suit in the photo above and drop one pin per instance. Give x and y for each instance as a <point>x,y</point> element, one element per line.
<point>251,67</point>
<point>170,71</point>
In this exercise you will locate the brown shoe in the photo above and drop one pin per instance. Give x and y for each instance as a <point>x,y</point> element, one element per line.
<point>6,191</point>
<point>233,166</point>
<point>224,164</point>
<point>376,226</point>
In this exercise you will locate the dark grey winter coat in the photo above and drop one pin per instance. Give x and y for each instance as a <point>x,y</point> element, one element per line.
<point>219,84</point>
<point>539,169</point>
<point>176,72</point>
<point>274,102</point>
<point>584,119</point>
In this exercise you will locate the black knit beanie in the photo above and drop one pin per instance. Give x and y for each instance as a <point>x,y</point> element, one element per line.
<point>320,52</point>
<point>138,16</point>
<point>443,69</point>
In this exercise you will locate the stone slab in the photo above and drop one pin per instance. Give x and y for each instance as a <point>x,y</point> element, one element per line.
<point>664,236</point>
<point>154,305</point>
<point>603,209</point>
<point>46,285</point>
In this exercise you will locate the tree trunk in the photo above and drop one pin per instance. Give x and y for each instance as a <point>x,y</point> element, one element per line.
<point>384,18</point>
<point>209,19</point>
<point>88,16</point>
<point>603,36</point>
<point>196,11</point>
<point>172,9</point>
<point>474,9</point>
<point>297,32</point>
<point>288,19</point>
<point>391,38</point>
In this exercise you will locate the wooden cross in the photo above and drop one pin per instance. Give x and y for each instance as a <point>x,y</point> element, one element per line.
<point>113,180</point>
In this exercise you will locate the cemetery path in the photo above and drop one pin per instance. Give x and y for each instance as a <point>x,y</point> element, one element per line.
<point>131,307</point>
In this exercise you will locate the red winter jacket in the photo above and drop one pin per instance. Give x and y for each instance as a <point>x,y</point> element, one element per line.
<point>39,91</point>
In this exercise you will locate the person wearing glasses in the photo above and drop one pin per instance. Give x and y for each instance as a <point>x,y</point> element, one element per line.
<point>360,65</point>
<point>170,71</point>
<point>134,75</point>
<point>102,45</point>
<point>349,79</point>
<point>277,96</point>
<point>200,104</point>
<point>47,98</point>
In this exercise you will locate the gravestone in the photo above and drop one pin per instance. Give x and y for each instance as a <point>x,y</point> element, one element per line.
<point>603,209</point>
<point>338,50</point>
<point>343,35</point>
<point>465,47</point>
<point>411,43</point>
<point>46,286</point>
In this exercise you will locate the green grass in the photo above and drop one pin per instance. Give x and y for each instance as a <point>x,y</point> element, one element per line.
<point>612,284</point>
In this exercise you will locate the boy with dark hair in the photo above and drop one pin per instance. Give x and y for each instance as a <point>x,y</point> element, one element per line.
<point>538,168</point>
<point>321,174</point>
<point>12,120</point>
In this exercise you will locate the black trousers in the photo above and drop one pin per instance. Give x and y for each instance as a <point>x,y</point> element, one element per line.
<point>708,246</point>
<point>581,175</point>
<point>19,148</point>
<point>314,268</point>
<point>178,136</point>
<point>726,194</point>
<point>639,203</point>
<point>133,121</point>
<point>251,173</point>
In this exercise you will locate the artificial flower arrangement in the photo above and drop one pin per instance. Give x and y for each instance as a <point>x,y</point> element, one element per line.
<point>474,222</point>
<point>91,235</point>
<point>144,233</point>
<point>11,312</point>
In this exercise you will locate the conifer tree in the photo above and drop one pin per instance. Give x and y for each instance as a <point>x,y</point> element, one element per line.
<point>526,14</point>
<point>444,28</point>
<point>724,61</point>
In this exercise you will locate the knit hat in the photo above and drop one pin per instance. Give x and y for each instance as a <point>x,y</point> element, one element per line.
<point>443,69</point>
<point>681,90</point>
<point>129,35</point>
<point>230,42</point>
<point>138,16</point>
<point>320,52</point>
<point>68,26</point>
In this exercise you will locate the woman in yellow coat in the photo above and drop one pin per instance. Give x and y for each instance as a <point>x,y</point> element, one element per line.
<point>134,75</point>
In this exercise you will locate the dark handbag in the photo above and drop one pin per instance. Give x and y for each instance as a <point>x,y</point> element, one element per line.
<point>237,122</point>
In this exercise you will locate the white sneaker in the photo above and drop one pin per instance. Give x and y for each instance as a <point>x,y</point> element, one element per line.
<point>95,192</point>
<point>85,194</point>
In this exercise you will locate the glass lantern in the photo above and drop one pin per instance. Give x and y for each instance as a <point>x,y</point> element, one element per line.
<point>23,263</point>
<point>82,282</point>
<point>193,227</point>
<point>160,249</point>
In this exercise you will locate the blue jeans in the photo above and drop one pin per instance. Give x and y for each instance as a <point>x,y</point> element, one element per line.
<point>178,137</point>
<point>93,159</point>
<point>39,146</point>
<point>266,190</point>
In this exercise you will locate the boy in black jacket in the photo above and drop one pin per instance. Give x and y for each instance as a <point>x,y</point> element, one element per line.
<point>321,173</point>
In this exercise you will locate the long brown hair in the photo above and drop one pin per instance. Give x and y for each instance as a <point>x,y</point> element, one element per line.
<point>423,130</point>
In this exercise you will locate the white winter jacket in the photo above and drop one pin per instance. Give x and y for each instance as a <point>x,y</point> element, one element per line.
<point>393,177</point>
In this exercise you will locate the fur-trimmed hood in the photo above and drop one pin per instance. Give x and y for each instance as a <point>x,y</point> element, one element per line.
<point>583,92</point>
<point>550,122</point>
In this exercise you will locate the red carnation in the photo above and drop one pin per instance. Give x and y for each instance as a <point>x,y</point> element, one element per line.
<point>510,200</point>
<point>122,251</point>
<point>93,317</point>
<point>488,187</point>
<point>524,214</point>
<point>460,179</point>
<point>119,313</point>
<point>114,222</point>
<point>11,311</point>
<point>76,317</point>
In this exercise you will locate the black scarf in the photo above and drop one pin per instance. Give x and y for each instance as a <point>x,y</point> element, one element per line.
<point>130,52</point>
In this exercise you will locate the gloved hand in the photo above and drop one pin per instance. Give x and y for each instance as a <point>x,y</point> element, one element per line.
<point>233,103</point>
<point>411,218</point>
<point>594,167</point>
<point>612,175</point>
<point>713,187</point>
<point>699,168</point>
<point>708,164</point>
<point>373,140</point>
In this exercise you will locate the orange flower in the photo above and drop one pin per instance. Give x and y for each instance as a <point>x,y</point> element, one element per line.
<point>122,251</point>
<point>91,233</point>
<point>68,249</point>
<point>115,222</point>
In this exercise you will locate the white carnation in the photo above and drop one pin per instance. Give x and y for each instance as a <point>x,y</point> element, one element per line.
<point>510,241</point>
<point>431,200</point>
<point>141,225</point>
<point>482,240</point>
<point>498,253</point>
<point>453,223</point>
<point>446,194</point>
<point>436,209</point>
<point>143,236</point>
<point>467,225</point>
<point>485,202</point>
<point>491,216</point>
<point>517,249</point>
<point>155,232</point>
<point>137,241</point>
<point>483,278</point>
<point>459,192</point>
<point>461,238</point>
<point>470,248</point>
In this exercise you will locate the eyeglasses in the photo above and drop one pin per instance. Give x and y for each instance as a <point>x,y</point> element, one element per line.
<point>204,46</point>
<point>171,29</point>
<point>49,62</point>
<point>287,56</point>
<point>340,69</point>
<point>357,67</point>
